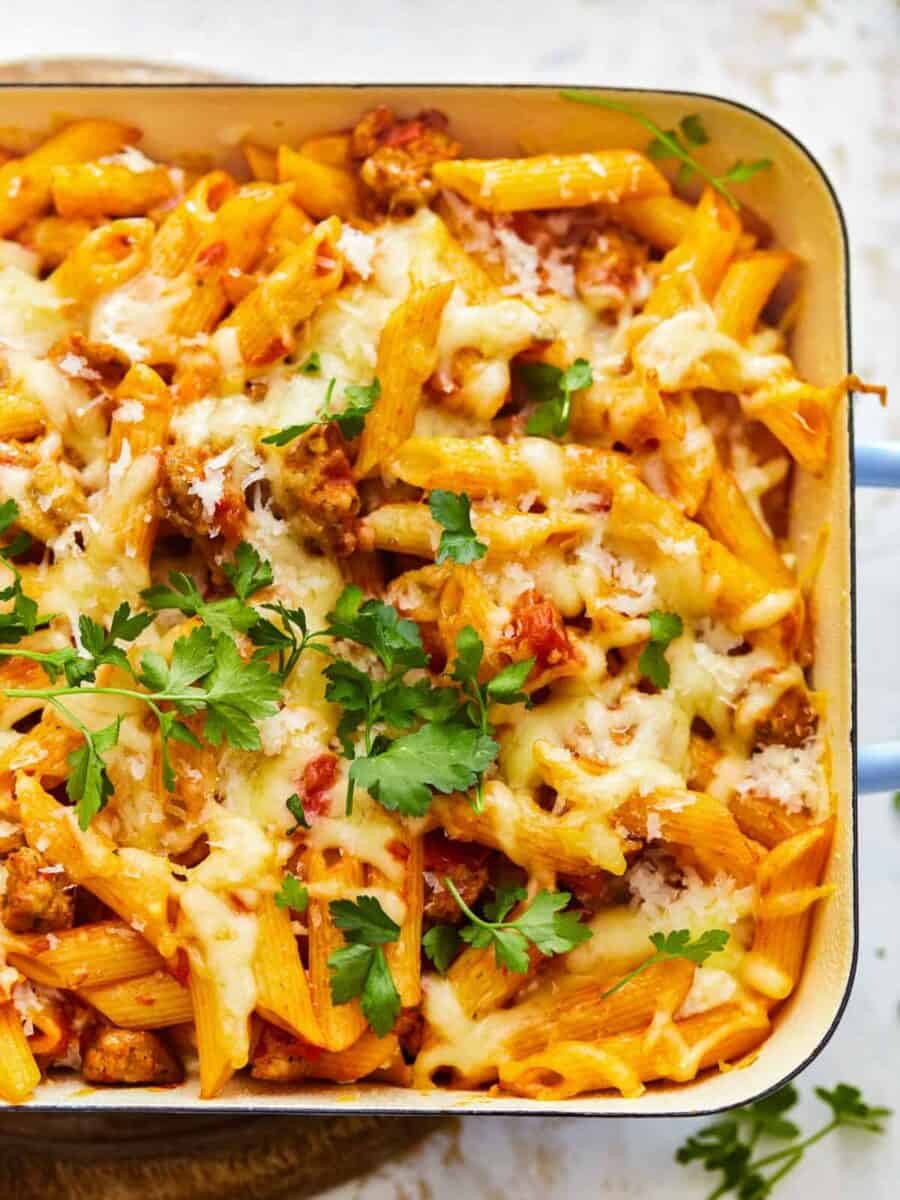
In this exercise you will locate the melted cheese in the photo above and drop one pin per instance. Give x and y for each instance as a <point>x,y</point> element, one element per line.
<point>226,941</point>
<point>596,740</point>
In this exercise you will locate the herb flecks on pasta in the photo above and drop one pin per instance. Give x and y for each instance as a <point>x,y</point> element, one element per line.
<point>402,673</point>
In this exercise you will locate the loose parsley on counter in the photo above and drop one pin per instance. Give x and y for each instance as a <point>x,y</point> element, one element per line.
<point>727,1146</point>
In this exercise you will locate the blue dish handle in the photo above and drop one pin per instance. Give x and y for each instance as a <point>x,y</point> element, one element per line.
<point>878,766</point>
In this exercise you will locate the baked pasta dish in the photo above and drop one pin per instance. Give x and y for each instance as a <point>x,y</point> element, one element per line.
<point>403,672</point>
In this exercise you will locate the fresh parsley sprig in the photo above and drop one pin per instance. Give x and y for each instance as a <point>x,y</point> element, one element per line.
<point>542,924</point>
<point>458,541</point>
<point>248,574</point>
<point>311,365</point>
<point>206,675</point>
<point>289,640</point>
<point>669,143</point>
<point>446,753</point>
<point>551,389</point>
<point>664,629</point>
<point>22,619</point>
<point>505,687</point>
<point>292,894</point>
<point>350,420</point>
<point>294,806</point>
<point>360,967</point>
<point>727,1146</point>
<point>676,944</point>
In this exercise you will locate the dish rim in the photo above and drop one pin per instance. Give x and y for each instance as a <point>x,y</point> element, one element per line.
<point>496,1105</point>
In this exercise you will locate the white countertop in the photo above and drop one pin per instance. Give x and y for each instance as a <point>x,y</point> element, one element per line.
<point>829,71</point>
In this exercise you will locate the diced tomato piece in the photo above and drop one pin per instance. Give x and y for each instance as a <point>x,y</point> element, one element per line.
<point>319,775</point>
<point>537,628</point>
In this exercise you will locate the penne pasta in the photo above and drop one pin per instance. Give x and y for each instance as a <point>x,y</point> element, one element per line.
<point>407,355</point>
<point>19,1073</point>
<point>151,1001</point>
<point>282,992</point>
<point>404,680</point>
<point>551,180</point>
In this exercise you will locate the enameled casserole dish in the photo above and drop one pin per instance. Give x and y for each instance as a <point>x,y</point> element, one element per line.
<point>798,203</point>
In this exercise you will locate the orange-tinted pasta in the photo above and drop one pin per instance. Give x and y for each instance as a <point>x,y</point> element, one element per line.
<point>405,545</point>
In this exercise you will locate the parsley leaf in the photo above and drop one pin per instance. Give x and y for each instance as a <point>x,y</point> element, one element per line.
<point>504,688</point>
<point>453,513</point>
<point>100,645</point>
<point>361,399</point>
<point>668,143</point>
<point>441,944</point>
<point>292,894</point>
<point>350,420</point>
<point>22,619</point>
<point>9,510</point>
<point>504,900</point>
<point>849,1108</point>
<point>676,944</point>
<point>740,171</point>
<point>551,390</point>
<point>288,640</point>
<point>89,784</point>
<point>396,641</point>
<point>664,628</point>
<point>445,757</point>
<point>360,968</point>
<point>237,695</point>
<point>311,365</point>
<point>295,807</point>
<point>542,924</point>
<point>363,921</point>
<point>249,573</point>
<point>728,1145</point>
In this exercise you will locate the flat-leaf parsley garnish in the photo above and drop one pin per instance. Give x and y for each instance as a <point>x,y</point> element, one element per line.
<point>542,924</point>
<point>360,399</point>
<point>551,390</point>
<point>360,968</point>
<point>664,629</point>
<point>728,1145</point>
<point>677,944</point>
<point>672,143</point>
<point>458,540</point>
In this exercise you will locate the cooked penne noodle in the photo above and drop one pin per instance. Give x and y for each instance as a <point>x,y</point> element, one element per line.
<point>217,1062</point>
<point>552,180</point>
<point>151,1001</point>
<point>280,1061</point>
<point>745,289</point>
<point>282,990</point>
<point>19,1073</point>
<point>104,259</point>
<point>266,319</point>
<point>700,257</point>
<point>25,183</point>
<point>730,519</point>
<point>88,956</point>
<point>320,188</point>
<point>109,189</point>
<point>626,1062</point>
<point>790,873</point>
<point>407,355</point>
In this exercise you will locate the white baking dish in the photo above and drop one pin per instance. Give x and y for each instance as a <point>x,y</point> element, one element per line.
<point>797,200</point>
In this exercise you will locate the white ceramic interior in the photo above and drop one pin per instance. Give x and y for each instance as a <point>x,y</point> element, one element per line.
<point>796,199</point>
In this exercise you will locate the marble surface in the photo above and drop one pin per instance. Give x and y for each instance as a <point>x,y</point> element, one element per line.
<point>830,71</point>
